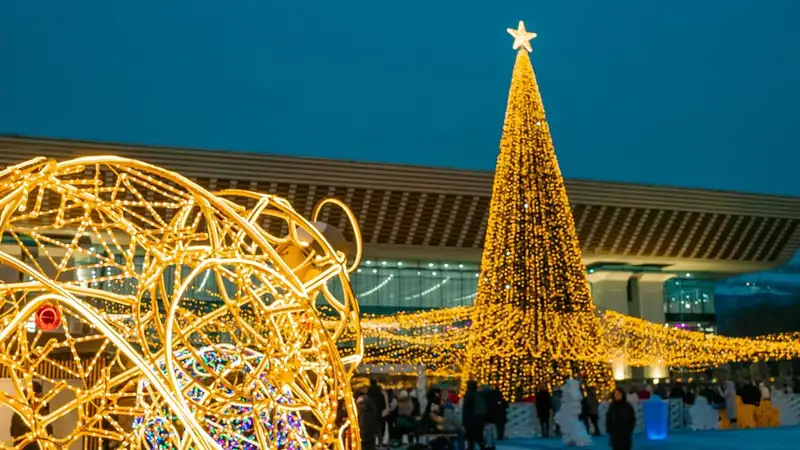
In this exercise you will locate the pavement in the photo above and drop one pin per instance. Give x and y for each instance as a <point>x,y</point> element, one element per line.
<point>784,438</point>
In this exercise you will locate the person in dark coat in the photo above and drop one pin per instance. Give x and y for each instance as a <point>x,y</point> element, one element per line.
<point>750,394</point>
<point>590,411</point>
<point>714,397</point>
<point>677,391</point>
<point>474,415</point>
<point>620,422</point>
<point>555,402</point>
<point>433,417</point>
<point>593,411</point>
<point>498,412</point>
<point>378,397</point>
<point>691,395</point>
<point>369,422</point>
<point>543,405</point>
<point>391,412</point>
<point>415,401</point>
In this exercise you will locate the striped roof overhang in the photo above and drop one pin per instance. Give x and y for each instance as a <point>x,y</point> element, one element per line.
<point>410,212</point>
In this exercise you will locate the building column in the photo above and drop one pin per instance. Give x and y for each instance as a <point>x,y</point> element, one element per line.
<point>8,275</point>
<point>610,290</point>
<point>620,370</point>
<point>648,304</point>
<point>648,296</point>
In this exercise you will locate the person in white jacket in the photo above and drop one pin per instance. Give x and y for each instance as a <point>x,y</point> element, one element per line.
<point>633,397</point>
<point>765,393</point>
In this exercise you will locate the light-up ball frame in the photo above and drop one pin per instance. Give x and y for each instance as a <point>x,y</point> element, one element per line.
<point>128,254</point>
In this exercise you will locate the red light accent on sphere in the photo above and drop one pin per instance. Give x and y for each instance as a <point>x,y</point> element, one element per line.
<point>48,317</point>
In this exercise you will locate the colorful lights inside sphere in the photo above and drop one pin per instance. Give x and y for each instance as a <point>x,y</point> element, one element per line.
<point>232,421</point>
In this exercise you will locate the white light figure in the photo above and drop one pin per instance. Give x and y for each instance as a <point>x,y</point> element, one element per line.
<point>702,416</point>
<point>573,431</point>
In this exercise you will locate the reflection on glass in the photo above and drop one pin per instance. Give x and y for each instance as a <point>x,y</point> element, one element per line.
<point>689,296</point>
<point>406,287</point>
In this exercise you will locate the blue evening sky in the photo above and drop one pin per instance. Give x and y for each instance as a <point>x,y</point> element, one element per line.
<point>695,93</point>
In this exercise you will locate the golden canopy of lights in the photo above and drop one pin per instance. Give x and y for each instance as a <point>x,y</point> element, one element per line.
<point>124,251</point>
<point>436,339</point>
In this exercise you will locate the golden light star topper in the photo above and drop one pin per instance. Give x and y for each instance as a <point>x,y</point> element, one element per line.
<point>522,37</point>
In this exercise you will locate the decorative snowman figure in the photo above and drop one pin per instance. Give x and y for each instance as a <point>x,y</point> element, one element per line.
<point>573,431</point>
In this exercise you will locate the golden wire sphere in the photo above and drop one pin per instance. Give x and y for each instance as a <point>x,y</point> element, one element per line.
<point>185,322</point>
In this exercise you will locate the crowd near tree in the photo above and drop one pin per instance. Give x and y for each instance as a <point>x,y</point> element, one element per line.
<point>394,418</point>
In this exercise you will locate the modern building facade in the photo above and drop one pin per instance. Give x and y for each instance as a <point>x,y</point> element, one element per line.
<point>651,252</point>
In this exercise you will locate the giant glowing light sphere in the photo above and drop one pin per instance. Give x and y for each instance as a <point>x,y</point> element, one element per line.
<point>175,317</point>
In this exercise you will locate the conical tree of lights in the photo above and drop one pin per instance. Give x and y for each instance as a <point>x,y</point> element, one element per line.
<point>534,321</point>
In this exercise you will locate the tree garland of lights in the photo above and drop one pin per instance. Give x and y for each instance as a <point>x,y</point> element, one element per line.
<point>114,257</point>
<point>533,297</point>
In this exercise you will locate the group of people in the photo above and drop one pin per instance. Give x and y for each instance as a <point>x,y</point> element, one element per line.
<point>620,420</point>
<point>722,396</point>
<point>547,405</point>
<point>400,415</point>
<point>484,412</point>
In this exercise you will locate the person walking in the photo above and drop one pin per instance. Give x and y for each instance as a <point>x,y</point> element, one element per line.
<point>620,422</point>
<point>432,418</point>
<point>498,411</point>
<point>391,417</point>
<point>556,406</point>
<point>593,410</point>
<point>453,426</point>
<point>543,404</point>
<point>378,397</point>
<point>489,434</point>
<point>405,424</point>
<point>369,422</point>
<point>474,415</point>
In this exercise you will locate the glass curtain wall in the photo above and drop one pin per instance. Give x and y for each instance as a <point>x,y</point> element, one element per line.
<point>386,286</point>
<point>689,296</point>
<point>411,285</point>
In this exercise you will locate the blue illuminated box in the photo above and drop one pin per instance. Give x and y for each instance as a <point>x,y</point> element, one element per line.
<point>656,418</point>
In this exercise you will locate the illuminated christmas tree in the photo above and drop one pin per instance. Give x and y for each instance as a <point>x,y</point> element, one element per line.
<point>534,321</point>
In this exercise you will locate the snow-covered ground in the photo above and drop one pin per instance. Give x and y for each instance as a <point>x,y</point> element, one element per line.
<point>785,438</point>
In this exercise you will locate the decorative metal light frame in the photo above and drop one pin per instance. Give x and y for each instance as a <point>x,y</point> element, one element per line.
<point>152,362</point>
